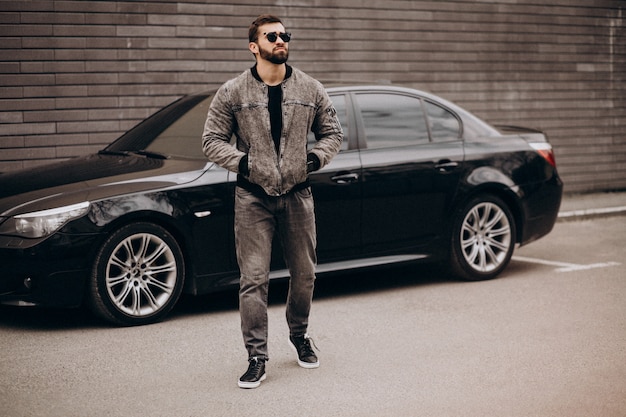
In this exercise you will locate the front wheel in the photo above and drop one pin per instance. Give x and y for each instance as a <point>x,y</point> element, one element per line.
<point>483,239</point>
<point>137,275</point>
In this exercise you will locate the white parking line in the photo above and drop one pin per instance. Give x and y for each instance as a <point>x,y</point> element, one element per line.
<point>564,266</point>
<point>591,212</point>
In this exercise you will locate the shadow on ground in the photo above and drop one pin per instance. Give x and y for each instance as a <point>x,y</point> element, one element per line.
<point>333,286</point>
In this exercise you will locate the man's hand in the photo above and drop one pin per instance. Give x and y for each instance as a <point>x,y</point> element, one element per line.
<point>312,163</point>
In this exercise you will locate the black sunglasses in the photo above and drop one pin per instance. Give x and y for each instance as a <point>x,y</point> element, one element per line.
<point>273,36</point>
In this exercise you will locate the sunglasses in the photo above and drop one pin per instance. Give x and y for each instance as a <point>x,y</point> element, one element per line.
<point>273,36</point>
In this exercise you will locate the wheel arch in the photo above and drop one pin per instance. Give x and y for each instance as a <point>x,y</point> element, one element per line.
<point>167,222</point>
<point>507,194</point>
<point>479,264</point>
<point>94,291</point>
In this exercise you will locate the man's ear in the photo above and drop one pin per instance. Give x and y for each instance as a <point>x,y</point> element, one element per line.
<point>253,47</point>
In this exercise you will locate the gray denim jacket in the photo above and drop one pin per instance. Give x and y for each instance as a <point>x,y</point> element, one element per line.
<point>240,107</point>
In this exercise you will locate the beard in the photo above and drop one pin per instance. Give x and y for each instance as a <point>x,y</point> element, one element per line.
<point>279,57</point>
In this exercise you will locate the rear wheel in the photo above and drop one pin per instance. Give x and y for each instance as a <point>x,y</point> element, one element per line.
<point>137,276</point>
<point>483,239</point>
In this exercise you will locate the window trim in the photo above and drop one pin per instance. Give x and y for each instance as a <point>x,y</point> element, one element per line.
<point>356,132</point>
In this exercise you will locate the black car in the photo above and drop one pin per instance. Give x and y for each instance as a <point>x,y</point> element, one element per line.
<point>128,229</point>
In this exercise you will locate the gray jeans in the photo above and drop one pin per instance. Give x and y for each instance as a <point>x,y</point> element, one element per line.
<point>256,220</point>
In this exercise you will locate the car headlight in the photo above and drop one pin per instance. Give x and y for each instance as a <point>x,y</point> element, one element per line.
<point>43,223</point>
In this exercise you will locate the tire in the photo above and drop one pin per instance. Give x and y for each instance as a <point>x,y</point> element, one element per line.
<point>137,276</point>
<point>483,239</point>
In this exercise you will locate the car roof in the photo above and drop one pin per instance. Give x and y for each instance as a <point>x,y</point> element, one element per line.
<point>356,88</point>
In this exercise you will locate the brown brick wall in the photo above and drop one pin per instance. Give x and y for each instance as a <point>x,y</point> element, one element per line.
<point>75,74</point>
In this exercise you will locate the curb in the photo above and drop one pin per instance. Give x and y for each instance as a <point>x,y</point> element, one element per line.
<point>591,213</point>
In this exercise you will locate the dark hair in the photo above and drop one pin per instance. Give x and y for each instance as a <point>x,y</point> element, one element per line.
<point>260,21</point>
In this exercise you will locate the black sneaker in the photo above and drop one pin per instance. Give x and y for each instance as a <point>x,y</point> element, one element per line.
<point>254,375</point>
<point>306,357</point>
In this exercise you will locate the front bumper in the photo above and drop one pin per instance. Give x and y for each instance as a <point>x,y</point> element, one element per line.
<point>53,273</point>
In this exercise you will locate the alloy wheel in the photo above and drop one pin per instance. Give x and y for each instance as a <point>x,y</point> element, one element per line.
<point>141,274</point>
<point>485,237</point>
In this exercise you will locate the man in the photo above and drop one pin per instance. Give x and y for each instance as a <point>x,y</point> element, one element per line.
<point>270,109</point>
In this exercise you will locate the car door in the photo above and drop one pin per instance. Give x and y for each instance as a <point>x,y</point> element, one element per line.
<point>337,193</point>
<point>411,154</point>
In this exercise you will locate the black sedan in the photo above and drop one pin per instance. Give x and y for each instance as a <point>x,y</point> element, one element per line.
<point>129,229</point>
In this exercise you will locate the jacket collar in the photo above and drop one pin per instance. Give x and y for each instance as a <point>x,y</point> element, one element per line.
<point>255,73</point>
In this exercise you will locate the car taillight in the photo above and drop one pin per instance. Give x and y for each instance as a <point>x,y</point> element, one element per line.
<point>545,150</point>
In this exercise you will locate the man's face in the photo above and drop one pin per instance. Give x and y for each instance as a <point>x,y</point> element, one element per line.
<point>276,52</point>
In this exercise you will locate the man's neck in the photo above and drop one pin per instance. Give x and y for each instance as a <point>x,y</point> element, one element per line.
<point>271,74</point>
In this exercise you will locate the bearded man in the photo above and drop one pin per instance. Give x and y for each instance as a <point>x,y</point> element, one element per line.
<point>270,109</point>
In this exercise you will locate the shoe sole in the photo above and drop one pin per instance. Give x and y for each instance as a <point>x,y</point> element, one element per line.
<point>309,365</point>
<point>248,385</point>
<point>306,365</point>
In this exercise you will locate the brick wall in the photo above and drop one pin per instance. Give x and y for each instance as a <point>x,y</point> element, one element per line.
<point>75,74</point>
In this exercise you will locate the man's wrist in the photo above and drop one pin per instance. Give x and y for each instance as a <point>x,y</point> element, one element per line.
<point>312,162</point>
<point>243,166</point>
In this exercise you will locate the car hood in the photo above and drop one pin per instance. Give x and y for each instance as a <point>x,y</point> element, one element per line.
<point>91,178</point>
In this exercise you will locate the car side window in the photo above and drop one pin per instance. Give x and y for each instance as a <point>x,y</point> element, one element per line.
<point>339,101</point>
<point>392,120</point>
<point>443,124</point>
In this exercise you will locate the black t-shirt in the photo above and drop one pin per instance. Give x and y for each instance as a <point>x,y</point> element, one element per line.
<point>274,106</point>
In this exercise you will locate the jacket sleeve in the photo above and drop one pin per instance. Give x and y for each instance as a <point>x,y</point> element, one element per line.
<point>327,130</point>
<point>218,131</point>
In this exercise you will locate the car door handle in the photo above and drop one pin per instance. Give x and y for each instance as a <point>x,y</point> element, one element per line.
<point>446,165</point>
<point>348,178</point>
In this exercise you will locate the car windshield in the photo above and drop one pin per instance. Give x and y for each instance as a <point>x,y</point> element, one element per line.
<point>174,131</point>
